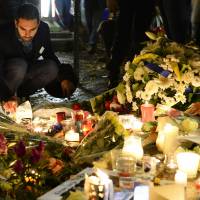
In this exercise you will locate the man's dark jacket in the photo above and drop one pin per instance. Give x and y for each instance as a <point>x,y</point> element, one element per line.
<point>11,47</point>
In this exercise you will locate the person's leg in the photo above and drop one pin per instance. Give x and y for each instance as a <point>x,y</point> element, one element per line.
<point>65,73</point>
<point>177,19</point>
<point>88,15</point>
<point>59,5</point>
<point>13,73</point>
<point>38,76</point>
<point>195,19</point>
<point>107,33</point>
<point>67,16</point>
<point>97,18</point>
<point>122,40</point>
<point>145,11</point>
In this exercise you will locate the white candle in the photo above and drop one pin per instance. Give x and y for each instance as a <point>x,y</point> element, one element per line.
<point>137,125</point>
<point>127,120</point>
<point>133,147</point>
<point>188,162</point>
<point>167,138</point>
<point>72,136</point>
<point>180,177</point>
<point>170,141</point>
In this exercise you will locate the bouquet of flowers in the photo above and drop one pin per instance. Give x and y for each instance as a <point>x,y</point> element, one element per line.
<point>30,166</point>
<point>108,134</point>
<point>164,72</point>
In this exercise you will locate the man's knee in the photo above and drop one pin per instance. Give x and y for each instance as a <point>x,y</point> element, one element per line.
<point>16,67</point>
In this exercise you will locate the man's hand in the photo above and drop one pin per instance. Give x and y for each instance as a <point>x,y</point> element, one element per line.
<point>10,105</point>
<point>67,88</point>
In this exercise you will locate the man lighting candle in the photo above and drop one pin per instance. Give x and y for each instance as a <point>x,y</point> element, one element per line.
<point>27,61</point>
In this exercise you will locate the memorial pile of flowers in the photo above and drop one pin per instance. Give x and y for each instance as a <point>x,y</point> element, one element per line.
<point>164,72</point>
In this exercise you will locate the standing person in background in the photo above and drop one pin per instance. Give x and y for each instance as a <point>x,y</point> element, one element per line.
<point>135,18</point>
<point>93,13</point>
<point>195,19</point>
<point>63,15</point>
<point>176,16</point>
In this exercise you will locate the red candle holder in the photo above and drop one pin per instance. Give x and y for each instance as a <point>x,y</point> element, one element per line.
<point>60,116</point>
<point>147,111</point>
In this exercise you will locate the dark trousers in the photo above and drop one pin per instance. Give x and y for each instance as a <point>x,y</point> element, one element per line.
<point>134,19</point>
<point>23,79</point>
<point>176,15</point>
<point>63,15</point>
<point>93,13</point>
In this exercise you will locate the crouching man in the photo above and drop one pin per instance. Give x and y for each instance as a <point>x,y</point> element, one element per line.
<point>27,61</point>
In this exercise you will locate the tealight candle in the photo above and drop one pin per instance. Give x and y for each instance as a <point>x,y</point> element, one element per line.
<point>147,111</point>
<point>129,121</point>
<point>86,126</point>
<point>133,147</point>
<point>137,125</point>
<point>180,177</point>
<point>72,136</point>
<point>188,162</point>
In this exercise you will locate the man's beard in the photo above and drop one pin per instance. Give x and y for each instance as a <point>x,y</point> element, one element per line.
<point>27,39</point>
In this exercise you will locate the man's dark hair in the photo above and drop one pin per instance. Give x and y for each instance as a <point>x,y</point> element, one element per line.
<point>28,11</point>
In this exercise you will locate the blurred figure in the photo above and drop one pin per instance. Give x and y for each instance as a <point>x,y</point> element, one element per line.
<point>63,15</point>
<point>93,13</point>
<point>135,18</point>
<point>176,16</point>
<point>107,31</point>
<point>195,19</point>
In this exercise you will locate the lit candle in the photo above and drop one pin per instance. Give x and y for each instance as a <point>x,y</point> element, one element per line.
<point>87,126</point>
<point>72,136</point>
<point>147,111</point>
<point>188,162</point>
<point>170,141</point>
<point>180,177</point>
<point>137,125</point>
<point>133,147</point>
<point>129,121</point>
<point>38,129</point>
<point>167,138</point>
